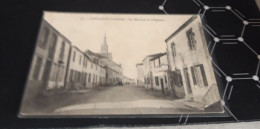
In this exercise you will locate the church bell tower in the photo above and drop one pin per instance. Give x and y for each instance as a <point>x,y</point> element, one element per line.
<point>104,46</point>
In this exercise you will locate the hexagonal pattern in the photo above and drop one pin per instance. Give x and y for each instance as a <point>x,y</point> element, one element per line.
<point>229,39</point>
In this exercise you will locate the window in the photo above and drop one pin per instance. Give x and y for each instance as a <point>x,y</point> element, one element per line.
<point>165,78</point>
<point>54,72</point>
<point>37,68</point>
<point>74,56</point>
<point>86,63</point>
<point>173,50</point>
<point>44,37</point>
<point>156,81</point>
<point>94,76</point>
<point>82,77</point>
<point>62,51</point>
<point>89,77</point>
<point>193,75</point>
<point>60,73</point>
<point>79,76</point>
<point>80,59</point>
<point>199,75</point>
<point>191,39</point>
<point>178,78</point>
<point>52,45</point>
<point>71,75</point>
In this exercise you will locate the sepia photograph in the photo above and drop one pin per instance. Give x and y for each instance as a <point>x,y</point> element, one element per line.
<point>88,64</point>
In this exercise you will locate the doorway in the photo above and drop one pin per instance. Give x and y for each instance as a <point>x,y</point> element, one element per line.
<point>162,85</point>
<point>46,74</point>
<point>187,79</point>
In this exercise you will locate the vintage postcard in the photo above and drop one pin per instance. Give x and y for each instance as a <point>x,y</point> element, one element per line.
<point>258,3</point>
<point>88,64</point>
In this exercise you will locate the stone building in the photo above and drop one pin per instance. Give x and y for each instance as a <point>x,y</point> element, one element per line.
<point>190,64</point>
<point>50,58</point>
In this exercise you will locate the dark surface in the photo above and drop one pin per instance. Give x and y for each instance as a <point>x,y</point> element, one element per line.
<point>19,27</point>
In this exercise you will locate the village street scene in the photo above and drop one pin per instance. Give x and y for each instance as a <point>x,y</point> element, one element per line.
<point>65,79</point>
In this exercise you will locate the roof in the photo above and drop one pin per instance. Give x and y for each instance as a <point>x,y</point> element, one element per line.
<point>53,28</point>
<point>94,54</point>
<point>77,49</point>
<point>89,52</point>
<point>152,56</point>
<point>181,27</point>
<point>139,64</point>
<point>158,56</point>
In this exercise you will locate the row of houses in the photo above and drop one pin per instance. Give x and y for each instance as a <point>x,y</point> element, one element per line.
<point>185,69</point>
<point>58,64</point>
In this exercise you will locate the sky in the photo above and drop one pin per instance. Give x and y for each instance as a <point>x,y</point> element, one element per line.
<point>130,37</point>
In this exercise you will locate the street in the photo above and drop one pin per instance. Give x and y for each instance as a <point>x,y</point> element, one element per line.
<point>128,100</point>
<point>113,100</point>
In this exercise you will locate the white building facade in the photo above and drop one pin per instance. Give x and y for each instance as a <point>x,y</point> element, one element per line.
<point>190,62</point>
<point>159,68</point>
<point>50,59</point>
<point>83,72</point>
<point>140,74</point>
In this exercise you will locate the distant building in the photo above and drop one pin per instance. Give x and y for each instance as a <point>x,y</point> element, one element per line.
<point>190,65</point>
<point>50,58</point>
<point>159,68</point>
<point>104,50</point>
<point>114,71</point>
<point>83,71</point>
<point>128,81</point>
<point>140,74</point>
<point>147,71</point>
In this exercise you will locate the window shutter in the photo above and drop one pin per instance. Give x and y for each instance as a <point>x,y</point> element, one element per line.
<point>193,75</point>
<point>203,75</point>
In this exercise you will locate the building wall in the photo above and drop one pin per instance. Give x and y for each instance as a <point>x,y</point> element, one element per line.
<point>159,69</point>
<point>140,75</point>
<point>88,74</point>
<point>98,74</point>
<point>39,53</point>
<point>75,69</point>
<point>147,73</point>
<point>129,81</point>
<point>187,58</point>
<point>114,74</point>
<point>57,68</point>
<point>112,77</point>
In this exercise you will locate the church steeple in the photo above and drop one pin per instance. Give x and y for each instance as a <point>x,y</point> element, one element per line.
<point>104,46</point>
